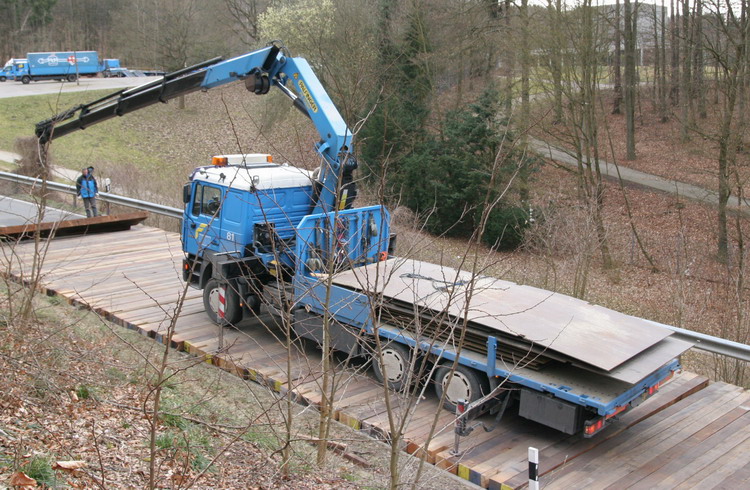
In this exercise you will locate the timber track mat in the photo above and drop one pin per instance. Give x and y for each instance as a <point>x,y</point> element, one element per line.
<point>693,433</point>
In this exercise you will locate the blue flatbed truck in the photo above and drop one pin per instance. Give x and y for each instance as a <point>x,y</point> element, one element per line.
<point>257,234</point>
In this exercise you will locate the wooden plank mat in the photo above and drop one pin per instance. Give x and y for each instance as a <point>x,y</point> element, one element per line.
<point>133,278</point>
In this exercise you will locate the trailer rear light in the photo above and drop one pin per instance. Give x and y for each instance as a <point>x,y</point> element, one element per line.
<point>593,426</point>
<point>219,161</point>
<point>618,411</point>
<point>653,389</point>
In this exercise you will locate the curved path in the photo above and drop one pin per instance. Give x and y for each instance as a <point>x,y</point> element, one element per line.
<point>631,176</point>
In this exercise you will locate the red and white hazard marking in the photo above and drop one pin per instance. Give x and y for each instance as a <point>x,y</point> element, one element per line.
<point>222,301</point>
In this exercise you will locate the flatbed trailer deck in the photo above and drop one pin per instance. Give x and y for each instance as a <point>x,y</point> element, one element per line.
<point>595,358</point>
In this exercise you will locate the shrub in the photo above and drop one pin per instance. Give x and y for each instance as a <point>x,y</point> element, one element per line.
<point>505,227</point>
<point>449,178</point>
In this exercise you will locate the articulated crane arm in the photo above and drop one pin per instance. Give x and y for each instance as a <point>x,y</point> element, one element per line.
<point>260,70</point>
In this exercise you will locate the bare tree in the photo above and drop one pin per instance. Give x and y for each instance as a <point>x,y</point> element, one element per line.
<point>731,56</point>
<point>618,60</point>
<point>245,14</point>
<point>699,75</point>
<point>674,35</point>
<point>579,130</point>
<point>630,34</point>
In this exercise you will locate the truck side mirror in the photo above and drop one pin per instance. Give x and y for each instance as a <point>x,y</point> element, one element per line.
<point>186,193</point>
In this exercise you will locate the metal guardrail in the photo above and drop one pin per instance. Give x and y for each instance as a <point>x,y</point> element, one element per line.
<point>104,196</point>
<point>714,345</point>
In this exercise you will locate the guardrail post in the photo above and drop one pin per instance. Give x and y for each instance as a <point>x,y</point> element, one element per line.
<point>533,468</point>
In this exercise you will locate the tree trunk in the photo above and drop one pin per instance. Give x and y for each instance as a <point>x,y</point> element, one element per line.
<point>698,82</point>
<point>629,35</point>
<point>674,92</point>
<point>616,109</point>
<point>510,62</point>
<point>556,56</point>
<point>657,61</point>
<point>663,82</point>
<point>686,80</point>
<point>525,92</point>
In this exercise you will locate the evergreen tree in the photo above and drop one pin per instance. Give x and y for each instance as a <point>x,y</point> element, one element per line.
<point>449,177</point>
<point>396,127</point>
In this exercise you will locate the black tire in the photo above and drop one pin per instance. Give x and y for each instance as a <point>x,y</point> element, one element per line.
<point>2,79</point>
<point>397,359</point>
<point>71,78</point>
<point>470,385</point>
<point>232,309</point>
<point>25,79</point>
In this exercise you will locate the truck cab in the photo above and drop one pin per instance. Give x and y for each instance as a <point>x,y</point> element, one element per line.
<point>242,209</point>
<point>13,68</point>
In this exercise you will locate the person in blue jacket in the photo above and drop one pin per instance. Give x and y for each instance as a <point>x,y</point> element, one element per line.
<point>88,190</point>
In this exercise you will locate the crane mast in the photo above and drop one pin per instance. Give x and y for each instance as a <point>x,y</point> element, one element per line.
<point>260,70</point>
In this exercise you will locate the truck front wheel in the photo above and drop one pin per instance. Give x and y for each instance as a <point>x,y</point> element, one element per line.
<point>25,79</point>
<point>71,78</point>
<point>2,79</point>
<point>463,384</point>
<point>232,309</point>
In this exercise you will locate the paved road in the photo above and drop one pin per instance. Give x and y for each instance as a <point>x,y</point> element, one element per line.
<point>17,89</point>
<point>14,212</point>
<point>10,157</point>
<point>632,176</point>
<point>60,174</point>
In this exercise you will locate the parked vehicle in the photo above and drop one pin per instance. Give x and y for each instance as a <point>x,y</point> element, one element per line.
<point>110,66</point>
<point>60,65</point>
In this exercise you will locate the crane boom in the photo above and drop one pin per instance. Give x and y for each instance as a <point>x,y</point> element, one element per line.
<point>260,70</point>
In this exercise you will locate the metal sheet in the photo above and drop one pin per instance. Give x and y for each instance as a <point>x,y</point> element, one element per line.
<point>588,333</point>
<point>648,361</point>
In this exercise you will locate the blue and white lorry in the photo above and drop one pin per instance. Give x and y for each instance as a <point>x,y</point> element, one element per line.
<point>57,65</point>
<point>261,235</point>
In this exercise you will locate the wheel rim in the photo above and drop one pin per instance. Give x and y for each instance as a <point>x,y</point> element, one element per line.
<point>394,365</point>
<point>213,300</point>
<point>457,387</point>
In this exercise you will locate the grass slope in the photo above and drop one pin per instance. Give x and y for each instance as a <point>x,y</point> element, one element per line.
<point>18,115</point>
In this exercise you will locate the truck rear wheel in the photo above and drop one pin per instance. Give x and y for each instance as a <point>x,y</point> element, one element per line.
<point>71,78</point>
<point>232,310</point>
<point>25,79</point>
<point>397,359</point>
<point>464,384</point>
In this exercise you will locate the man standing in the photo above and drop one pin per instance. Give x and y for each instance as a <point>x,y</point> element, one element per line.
<point>88,189</point>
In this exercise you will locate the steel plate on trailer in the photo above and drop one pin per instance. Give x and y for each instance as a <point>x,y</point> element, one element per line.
<point>591,334</point>
<point>636,368</point>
